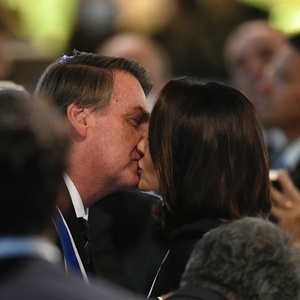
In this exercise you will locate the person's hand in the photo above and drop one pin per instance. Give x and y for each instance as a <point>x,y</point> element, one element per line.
<point>165,296</point>
<point>287,206</point>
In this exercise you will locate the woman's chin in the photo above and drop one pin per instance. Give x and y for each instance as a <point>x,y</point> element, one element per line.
<point>143,187</point>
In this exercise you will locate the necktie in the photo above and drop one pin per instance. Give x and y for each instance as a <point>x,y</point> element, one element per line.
<point>86,237</point>
<point>71,256</point>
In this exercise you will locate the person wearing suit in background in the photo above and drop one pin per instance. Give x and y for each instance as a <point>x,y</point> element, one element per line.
<point>34,147</point>
<point>145,51</point>
<point>281,89</point>
<point>248,49</point>
<point>103,100</point>
<point>206,157</point>
<point>249,259</point>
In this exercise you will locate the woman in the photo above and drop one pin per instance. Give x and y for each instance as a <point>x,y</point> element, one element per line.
<point>206,158</point>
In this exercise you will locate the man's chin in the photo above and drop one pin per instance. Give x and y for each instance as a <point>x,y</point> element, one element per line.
<point>133,184</point>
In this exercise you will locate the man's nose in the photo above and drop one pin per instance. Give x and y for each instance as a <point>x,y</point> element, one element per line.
<point>265,85</point>
<point>141,147</point>
<point>255,67</point>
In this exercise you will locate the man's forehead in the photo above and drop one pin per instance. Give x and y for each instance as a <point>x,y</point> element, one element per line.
<point>122,77</point>
<point>139,111</point>
<point>128,90</point>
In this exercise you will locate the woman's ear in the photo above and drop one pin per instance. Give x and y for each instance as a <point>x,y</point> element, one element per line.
<point>77,117</point>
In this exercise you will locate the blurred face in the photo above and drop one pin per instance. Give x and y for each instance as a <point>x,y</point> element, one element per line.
<point>282,87</point>
<point>147,172</point>
<point>113,137</point>
<point>250,54</point>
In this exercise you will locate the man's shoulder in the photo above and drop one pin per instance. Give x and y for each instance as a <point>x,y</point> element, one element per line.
<point>34,278</point>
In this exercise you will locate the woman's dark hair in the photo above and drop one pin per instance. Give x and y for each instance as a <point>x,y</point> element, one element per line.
<point>207,146</point>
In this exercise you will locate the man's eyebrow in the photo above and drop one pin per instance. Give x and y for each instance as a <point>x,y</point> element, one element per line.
<point>144,113</point>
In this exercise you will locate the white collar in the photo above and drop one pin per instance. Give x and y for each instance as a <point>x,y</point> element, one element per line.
<point>80,211</point>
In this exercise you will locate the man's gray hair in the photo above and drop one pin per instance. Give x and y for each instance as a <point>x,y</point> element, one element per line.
<point>250,258</point>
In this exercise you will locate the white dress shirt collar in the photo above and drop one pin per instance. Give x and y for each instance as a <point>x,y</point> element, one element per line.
<point>80,211</point>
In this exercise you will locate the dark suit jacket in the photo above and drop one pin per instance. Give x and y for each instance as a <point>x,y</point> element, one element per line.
<point>191,292</point>
<point>138,244</point>
<point>31,278</point>
<point>72,222</point>
<point>69,215</point>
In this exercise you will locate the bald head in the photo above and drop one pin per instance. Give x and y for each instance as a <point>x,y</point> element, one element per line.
<point>143,49</point>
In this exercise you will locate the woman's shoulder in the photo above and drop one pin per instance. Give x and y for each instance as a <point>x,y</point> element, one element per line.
<point>197,229</point>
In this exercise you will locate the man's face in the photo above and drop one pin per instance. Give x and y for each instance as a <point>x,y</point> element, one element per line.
<point>284,90</point>
<point>115,133</point>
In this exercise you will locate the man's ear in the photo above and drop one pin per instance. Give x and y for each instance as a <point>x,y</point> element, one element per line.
<point>77,117</point>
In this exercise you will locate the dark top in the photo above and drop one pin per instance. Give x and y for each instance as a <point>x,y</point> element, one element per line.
<point>191,292</point>
<point>182,244</point>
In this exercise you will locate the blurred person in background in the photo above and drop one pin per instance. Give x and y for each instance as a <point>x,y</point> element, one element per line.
<point>194,37</point>
<point>282,93</point>
<point>247,51</point>
<point>249,259</point>
<point>33,155</point>
<point>146,51</point>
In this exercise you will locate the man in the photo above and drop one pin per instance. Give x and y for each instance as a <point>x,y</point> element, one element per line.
<point>104,102</point>
<point>248,49</point>
<point>281,89</point>
<point>34,147</point>
<point>247,259</point>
